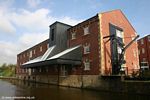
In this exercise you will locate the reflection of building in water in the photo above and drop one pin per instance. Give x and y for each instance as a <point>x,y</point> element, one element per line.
<point>77,55</point>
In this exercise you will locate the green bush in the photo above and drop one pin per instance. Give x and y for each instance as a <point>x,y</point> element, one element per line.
<point>7,70</point>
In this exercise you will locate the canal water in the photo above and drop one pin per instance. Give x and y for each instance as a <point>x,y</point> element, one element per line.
<point>23,90</point>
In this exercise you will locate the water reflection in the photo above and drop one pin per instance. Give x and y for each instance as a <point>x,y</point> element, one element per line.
<point>52,92</point>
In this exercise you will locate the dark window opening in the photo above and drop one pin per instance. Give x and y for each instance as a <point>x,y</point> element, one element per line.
<point>116,48</point>
<point>52,35</point>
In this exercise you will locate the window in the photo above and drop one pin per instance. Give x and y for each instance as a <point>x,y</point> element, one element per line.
<point>119,33</point>
<point>87,49</point>
<point>143,50</point>
<point>29,71</point>
<point>119,50</point>
<point>47,69</point>
<point>52,35</point>
<point>142,42</point>
<point>47,46</point>
<point>40,48</point>
<point>33,70</point>
<point>40,70</point>
<point>34,51</point>
<point>64,71</point>
<point>73,36</point>
<point>149,38</point>
<point>116,46</point>
<point>24,55</point>
<point>86,30</point>
<point>86,65</point>
<point>22,70</point>
<point>30,56</point>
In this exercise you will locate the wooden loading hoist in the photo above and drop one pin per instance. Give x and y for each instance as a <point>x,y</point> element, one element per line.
<point>117,58</point>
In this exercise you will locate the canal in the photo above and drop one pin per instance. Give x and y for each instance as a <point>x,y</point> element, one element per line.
<point>23,90</point>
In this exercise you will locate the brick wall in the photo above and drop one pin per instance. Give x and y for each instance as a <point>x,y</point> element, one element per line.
<point>89,39</point>
<point>144,49</point>
<point>24,56</point>
<point>118,19</point>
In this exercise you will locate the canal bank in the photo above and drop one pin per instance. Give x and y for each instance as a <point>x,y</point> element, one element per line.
<point>101,83</point>
<point>18,88</point>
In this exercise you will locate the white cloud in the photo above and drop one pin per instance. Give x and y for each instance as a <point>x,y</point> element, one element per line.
<point>8,52</point>
<point>30,39</point>
<point>6,26</point>
<point>38,20</point>
<point>34,29</point>
<point>32,21</point>
<point>33,3</point>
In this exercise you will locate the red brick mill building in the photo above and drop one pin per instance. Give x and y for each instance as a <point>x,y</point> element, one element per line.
<point>144,52</point>
<point>78,55</point>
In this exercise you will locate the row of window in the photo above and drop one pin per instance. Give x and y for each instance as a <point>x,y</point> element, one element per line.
<point>34,70</point>
<point>31,53</point>
<point>85,29</point>
<point>143,50</point>
<point>142,40</point>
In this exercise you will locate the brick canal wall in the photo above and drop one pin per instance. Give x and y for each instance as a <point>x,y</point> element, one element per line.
<point>95,82</point>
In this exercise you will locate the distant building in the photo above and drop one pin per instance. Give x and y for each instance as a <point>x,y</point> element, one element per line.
<point>78,55</point>
<point>144,52</point>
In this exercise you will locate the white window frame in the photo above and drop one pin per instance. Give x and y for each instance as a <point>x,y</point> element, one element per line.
<point>41,48</point>
<point>73,35</point>
<point>143,50</point>
<point>86,65</point>
<point>30,54</point>
<point>142,41</point>
<point>47,46</point>
<point>86,30</point>
<point>86,49</point>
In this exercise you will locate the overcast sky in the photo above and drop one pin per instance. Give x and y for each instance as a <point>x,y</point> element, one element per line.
<point>24,23</point>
